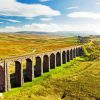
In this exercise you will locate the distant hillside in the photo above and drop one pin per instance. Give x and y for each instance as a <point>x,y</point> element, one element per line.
<point>61,33</point>
<point>98,36</point>
<point>32,32</point>
<point>75,33</point>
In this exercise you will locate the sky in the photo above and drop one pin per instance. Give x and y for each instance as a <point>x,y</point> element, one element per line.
<point>50,15</point>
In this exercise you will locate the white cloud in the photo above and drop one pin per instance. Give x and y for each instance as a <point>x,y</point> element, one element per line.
<point>44,0</point>
<point>29,18</point>
<point>90,15</point>
<point>98,3</point>
<point>83,27</point>
<point>10,20</point>
<point>33,27</point>
<point>52,27</point>
<point>15,21</point>
<point>14,8</point>
<point>46,19</point>
<point>74,7</point>
<point>1,22</point>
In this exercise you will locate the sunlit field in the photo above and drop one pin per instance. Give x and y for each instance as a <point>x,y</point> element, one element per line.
<point>78,79</point>
<point>22,44</point>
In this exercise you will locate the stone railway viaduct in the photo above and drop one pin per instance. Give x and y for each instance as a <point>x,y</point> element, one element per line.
<point>36,65</point>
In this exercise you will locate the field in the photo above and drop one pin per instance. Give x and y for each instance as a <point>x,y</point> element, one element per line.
<point>16,44</point>
<point>75,80</point>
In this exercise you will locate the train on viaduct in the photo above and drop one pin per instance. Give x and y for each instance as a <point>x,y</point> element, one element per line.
<point>36,65</point>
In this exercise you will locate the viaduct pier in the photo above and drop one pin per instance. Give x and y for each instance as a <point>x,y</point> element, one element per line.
<point>36,65</point>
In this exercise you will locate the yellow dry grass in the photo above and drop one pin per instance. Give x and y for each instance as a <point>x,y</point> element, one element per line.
<point>22,44</point>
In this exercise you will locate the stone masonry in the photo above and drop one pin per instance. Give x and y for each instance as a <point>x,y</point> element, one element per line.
<point>36,65</point>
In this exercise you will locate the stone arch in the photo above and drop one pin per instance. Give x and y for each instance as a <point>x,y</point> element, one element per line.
<point>68,56</point>
<point>58,59</point>
<point>77,51</point>
<point>63,57</point>
<point>80,51</point>
<point>71,54</point>
<point>19,74</point>
<point>46,63</point>
<point>2,79</point>
<point>52,61</point>
<point>38,67</point>
<point>29,70</point>
<point>74,54</point>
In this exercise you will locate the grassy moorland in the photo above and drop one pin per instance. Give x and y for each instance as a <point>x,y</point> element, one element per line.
<point>22,44</point>
<point>75,80</point>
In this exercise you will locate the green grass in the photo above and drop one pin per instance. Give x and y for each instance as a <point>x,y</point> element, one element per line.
<point>71,80</point>
<point>85,51</point>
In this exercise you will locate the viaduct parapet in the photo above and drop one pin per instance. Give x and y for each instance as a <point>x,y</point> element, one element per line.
<point>36,65</point>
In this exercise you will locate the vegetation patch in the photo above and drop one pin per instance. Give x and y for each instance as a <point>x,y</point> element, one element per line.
<point>78,79</point>
<point>74,80</point>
